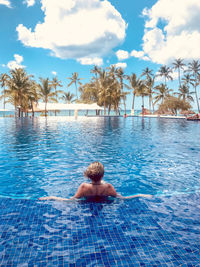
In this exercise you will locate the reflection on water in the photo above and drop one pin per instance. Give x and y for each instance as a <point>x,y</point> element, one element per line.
<point>47,156</point>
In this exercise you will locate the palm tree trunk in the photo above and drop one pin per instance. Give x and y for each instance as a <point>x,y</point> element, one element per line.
<point>76,91</point>
<point>109,108</point>
<point>32,109</point>
<point>45,108</point>
<point>152,106</point>
<point>4,103</point>
<point>133,103</point>
<point>124,105</point>
<point>142,105</point>
<point>197,99</point>
<point>104,107</point>
<point>150,99</point>
<point>179,77</point>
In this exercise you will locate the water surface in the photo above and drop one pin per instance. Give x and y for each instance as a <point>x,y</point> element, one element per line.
<point>47,156</point>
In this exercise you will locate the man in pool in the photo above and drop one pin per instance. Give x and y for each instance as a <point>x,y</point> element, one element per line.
<point>97,187</point>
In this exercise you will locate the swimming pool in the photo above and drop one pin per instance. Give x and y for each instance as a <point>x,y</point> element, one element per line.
<point>41,157</point>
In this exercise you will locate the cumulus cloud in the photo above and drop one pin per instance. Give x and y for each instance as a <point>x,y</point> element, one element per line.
<point>172,30</point>
<point>122,54</point>
<point>139,54</point>
<point>79,29</point>
<point>5,3</point>
<point>91,61</point>
<point>120,65</point>
<point>54,72</point>
<point>15,64</point>
<point>29,2</point>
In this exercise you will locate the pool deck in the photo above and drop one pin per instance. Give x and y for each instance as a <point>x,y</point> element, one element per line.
<point>141,116</point>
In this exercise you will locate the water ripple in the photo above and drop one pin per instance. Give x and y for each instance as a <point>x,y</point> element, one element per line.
<point>48,156</point>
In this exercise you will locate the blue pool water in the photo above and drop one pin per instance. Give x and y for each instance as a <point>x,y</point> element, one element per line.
<point>42,156</point>
<point>47,157</point>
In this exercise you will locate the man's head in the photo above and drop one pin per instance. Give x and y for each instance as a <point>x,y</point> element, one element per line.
<point>95,171</point>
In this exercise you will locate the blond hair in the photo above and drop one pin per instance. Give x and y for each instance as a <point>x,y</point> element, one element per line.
<point>95,171</point>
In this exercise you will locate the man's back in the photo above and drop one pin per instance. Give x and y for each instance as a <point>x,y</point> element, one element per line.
<point>90,190</point>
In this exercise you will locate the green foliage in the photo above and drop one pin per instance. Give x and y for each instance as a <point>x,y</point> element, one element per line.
<point>108,88</point>
<point>172,105</point>
<point>68,97</point>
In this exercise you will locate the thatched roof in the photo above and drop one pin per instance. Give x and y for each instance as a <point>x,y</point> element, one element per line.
<point>59,106</point>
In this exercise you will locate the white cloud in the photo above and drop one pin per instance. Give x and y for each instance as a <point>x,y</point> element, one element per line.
<point>78,29</point>
<point>139,54</point>
<point>120,65</point>
<point>122,54</point>
<point>90,61</point>
<point>172,30</point>
<point>5,2</point>
<point>15,64</point>
<point>54,72</point>
<point>29,2</point>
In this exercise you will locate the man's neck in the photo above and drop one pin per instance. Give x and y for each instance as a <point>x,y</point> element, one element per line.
<point>96,183</point>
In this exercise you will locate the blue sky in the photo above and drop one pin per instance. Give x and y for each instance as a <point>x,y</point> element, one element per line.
<point>51,37</point>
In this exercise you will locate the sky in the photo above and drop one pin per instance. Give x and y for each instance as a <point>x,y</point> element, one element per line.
<point>57,38</point>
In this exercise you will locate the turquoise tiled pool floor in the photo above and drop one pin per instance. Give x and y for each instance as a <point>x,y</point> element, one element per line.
<point>139,232</point>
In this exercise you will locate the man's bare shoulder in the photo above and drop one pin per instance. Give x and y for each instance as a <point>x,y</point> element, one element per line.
<point>109,185</point>
<point>85,186</point>
<point>111,190</point>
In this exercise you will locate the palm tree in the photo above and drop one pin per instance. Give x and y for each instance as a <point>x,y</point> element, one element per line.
<point>194,68</point>
<point>56,83</point>
<point>45,92</point>
<point>75,79</point>
<point>161,93</point>
<point>104,84</point>
<point>142,91</point>
<point>120,75</point>
<point>134,84</point>
<point>95,70</point>
<point>165,71</point>
<point>184,93</point>
<point>150,86</point>
<point>147,73</point>
<point>33,96</point>
<point>18,88</point>
<point>3,81</point>
<point>115,96</point>
<point>187,79</point>
<point>67,97</point>
<point>112,70</point>
<point>89,92</point>
<point>178,64</point>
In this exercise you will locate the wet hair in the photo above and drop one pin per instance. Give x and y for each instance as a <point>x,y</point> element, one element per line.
<point>95,171</point>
